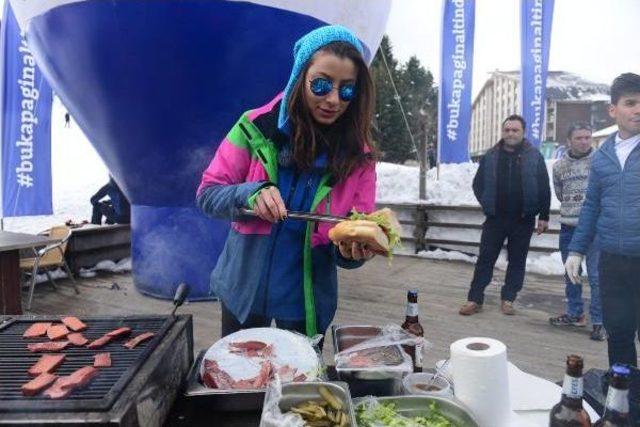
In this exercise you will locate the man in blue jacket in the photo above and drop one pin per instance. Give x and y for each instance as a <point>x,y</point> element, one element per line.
<point>512,186</point>
<point>612,211</point>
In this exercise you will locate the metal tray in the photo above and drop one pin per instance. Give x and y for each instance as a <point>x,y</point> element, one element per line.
<point>412,406</point>
<point>197,393</point>
<point>345,336</point>
<point>296,393</point>
<point>366,381</point>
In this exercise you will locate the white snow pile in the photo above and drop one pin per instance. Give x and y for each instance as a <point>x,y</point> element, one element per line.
<point>122,266</point>
<point>55,274</point>
<point>399,184</point>
<point>550,264</point>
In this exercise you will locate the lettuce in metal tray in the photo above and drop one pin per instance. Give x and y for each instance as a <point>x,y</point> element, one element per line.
<point>384,414</point>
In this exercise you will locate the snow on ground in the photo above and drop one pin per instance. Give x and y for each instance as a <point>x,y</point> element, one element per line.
<point>122,266</point>
<point>398,184</point>
<point>541,264</point>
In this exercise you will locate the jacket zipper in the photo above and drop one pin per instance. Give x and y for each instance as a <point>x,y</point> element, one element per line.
<point>292,190</point>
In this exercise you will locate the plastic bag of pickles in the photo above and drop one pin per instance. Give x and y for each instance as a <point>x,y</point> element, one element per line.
<point>324,409</point>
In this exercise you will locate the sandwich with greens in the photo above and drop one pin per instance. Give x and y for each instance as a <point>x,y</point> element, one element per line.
<point>379,231</point>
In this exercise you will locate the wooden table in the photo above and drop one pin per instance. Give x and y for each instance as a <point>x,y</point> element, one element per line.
<point>10,245</point>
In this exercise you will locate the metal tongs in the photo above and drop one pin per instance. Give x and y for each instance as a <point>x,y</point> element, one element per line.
<point>305,216</point>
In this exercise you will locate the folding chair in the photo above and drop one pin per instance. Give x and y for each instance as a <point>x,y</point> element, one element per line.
<point>49,258</point>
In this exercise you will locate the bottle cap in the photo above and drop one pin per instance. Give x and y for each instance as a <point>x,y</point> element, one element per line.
<point>620,369</point>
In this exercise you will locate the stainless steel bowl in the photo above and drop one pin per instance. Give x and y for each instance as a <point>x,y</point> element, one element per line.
<point>415,406</point>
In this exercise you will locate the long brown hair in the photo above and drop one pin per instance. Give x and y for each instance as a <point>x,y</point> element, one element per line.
<point>344,140</point>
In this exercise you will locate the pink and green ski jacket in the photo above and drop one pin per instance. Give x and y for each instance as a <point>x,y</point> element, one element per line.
<point>246,161</point>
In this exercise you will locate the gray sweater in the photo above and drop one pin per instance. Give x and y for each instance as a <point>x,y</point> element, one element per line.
<point>570,178</point>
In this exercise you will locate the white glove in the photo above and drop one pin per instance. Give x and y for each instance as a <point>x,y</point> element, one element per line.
<point>572,267</point>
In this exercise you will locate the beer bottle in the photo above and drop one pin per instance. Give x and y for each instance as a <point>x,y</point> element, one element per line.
<point>616,411</point>
<point>569,411</point>
<point>412,325</point>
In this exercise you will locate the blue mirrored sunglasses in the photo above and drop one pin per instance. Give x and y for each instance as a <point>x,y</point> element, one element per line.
<point>321,86</point>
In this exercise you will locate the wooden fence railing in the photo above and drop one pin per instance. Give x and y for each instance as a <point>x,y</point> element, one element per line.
<point>428,226</point>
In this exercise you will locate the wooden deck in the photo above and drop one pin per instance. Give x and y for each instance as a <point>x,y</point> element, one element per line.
<point>376,294</point>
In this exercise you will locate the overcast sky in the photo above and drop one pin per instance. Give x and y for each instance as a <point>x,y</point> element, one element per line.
<point>597,39</point>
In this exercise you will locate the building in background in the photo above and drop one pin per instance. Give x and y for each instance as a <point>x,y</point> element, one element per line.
<point>570,98</point>
<point>599,136</point>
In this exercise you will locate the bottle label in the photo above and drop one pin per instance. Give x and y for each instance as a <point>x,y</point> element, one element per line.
<point>412,309</point>
<point>418,356</point>
<point>572,387</point>
<point>618,400</point>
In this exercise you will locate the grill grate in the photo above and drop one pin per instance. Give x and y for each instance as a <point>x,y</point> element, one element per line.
<point>103,390</point>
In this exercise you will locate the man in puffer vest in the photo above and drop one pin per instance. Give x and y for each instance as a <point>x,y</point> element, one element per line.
<point>570,177</point>
<point>611,211</point>
<point>512,186</point>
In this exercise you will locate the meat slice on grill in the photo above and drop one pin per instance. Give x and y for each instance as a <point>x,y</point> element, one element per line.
<point>100,342</point>
<point>37,330</point>
<point>102,360</point>
<point>46,364</point>
<point>120,332</point>
<point>137,340</point>
<point>50,346</point>
<point>74,323</point>
<point>57,331</point>
<point>65,385</point>
<point>38,384</point>
<point>77,339</point>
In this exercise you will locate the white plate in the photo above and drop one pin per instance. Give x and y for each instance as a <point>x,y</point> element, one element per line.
<point>288,349</point>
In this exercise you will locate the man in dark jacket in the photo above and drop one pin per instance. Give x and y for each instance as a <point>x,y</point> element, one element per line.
<point>116,210</point>
<point>512,186</point>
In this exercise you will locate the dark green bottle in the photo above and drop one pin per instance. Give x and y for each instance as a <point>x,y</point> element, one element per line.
<point>616,411</point>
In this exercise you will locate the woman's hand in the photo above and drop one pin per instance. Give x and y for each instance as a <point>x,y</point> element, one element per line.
<point>355,251</point>
<point>269,205</point>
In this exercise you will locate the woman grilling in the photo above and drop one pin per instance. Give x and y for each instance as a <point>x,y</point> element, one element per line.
<point>310,150</point>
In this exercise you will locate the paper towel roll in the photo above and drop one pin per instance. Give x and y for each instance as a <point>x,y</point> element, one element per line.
<point>481,381</point>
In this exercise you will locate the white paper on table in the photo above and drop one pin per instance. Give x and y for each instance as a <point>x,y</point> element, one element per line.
<point>531,397</point>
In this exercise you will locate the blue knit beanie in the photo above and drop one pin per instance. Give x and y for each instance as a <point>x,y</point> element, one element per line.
<point>303,50</point>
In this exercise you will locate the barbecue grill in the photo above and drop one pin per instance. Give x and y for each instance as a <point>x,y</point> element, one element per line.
<point>138,389</point>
